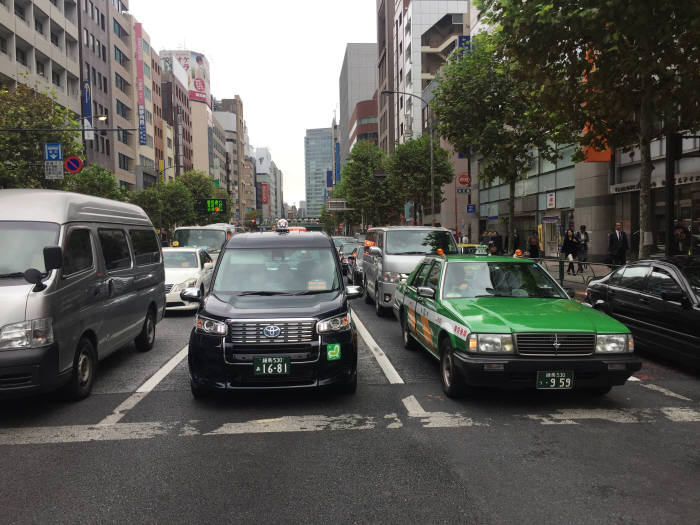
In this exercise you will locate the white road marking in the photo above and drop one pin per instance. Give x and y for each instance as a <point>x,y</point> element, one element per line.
<point>570,416</point>
<point>389,371</point>
<point>437,419</point>
<point>142,391</point>
<point>296,424</point>
<point>632,378</point>
<point>681,415</point>
<point>413,406</point>
<point>664,391</point>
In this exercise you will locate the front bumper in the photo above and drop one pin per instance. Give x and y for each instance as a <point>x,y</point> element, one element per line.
<point>215,364</point>
<point>386,293</point>
<point>521,372</point>
<point>30,371</point>
<point>174,302</point>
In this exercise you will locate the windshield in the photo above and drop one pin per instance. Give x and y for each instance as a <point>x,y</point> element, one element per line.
<point>338,241</point>
<point>207,238</point>
<point>419,242</point>
<point>347,249</point>
<point>277,270</point>
<point>180,259</point>
<point>498,279</point>
<point>23,246</point>
<point>692,273</point>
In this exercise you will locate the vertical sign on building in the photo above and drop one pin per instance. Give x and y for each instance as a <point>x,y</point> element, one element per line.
<point>329,179</point>
<point>86,99</point>
<point>337,162</point>
<point>265,193</point>
<point>140,95</point>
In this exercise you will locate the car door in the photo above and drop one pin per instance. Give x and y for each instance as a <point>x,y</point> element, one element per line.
<point>411,296</point>
<point>206,265</point>
<point>369,265</point>
<point>427,309</point>
<point>673,323</point>
<point>624,299</point>
<point>149,275</point>
<point>121,304</point>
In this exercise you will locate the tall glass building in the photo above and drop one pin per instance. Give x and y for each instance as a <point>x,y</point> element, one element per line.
<point>318,154</point>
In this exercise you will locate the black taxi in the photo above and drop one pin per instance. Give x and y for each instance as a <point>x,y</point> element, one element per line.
<point>276,316</point>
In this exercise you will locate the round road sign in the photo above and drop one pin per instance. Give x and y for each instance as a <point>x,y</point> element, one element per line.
<point>465,179</point>
<point>73,164</point>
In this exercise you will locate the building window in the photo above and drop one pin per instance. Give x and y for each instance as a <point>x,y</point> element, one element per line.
<point>86,38</point>
<point>107,147</point>
<point>147,93</point>
<point>40,69</point>
<point>21,56</point>
<point>119,56</point>
<point>20,11</point>
<point>123,136</point>
<point>104,53</point>
<point>39,26</point>
<point>146,48</point>
<point>104,84</point>
<point>120,83</point>
<point>147,70</point>
<point>56,78</point>
<point>149,117</point>
<point>122,109</point>
<point>170,143</point>
<point>3,45</point>
<point>124,162</point>
<point>149,140</point>
<point>54,39</point>
<point>102,24</point>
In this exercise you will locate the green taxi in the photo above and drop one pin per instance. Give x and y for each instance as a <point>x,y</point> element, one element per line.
<point>502,321</point>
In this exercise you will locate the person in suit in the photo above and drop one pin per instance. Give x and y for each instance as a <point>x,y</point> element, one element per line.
<point>583,239</point>
<point>618,245</point>
<point>516,240</point>
<point>570,248</point>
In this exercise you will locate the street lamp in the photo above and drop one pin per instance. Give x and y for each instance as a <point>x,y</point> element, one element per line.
<point>432,184</point>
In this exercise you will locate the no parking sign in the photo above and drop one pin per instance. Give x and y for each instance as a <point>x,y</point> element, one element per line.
<point>73,164</point>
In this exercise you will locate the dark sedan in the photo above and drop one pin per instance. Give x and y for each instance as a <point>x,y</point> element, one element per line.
<point>356,275</point>
<point>659,301</point>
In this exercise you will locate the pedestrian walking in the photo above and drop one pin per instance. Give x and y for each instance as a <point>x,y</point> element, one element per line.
<point>583,239</point>
<point>570,248</point>
<point>516,240</point>
<point>534,246</point>
<point>618,246</point>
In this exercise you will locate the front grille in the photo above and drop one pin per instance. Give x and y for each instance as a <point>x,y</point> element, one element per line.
<point>15,380</point>
<point>297,331</point>
<point>555,344</point>
<point>168,287</point>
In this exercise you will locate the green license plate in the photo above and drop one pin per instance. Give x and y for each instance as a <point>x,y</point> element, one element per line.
<point>271,366</point>
<point>559,380</point>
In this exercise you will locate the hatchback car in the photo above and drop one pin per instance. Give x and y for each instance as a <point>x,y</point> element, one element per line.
<point>500,321</point>
<point>659,301</point>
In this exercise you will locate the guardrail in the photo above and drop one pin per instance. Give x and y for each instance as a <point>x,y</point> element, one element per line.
<point>591,270</point>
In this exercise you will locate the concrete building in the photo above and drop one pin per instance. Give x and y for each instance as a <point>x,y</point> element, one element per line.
<point>385,74</point>
<point>159,124</point>
<point>318,158</point>
<point>177,113</point>
<point>358,81</point>
<point>219,167</point>
<point>363,122</point>
<point>39,44</point>
<point>264,179</point>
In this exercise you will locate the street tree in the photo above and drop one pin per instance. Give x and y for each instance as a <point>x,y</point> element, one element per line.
<point>484,109</point>
<point>94,180</point>
<point>625,72</point>
<point>151,200</point>
<point>177,204</point>
<point>22,110</point>
<point>201,186</point>
<point>408,170</point>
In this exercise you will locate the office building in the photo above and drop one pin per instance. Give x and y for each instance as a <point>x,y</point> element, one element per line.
<point>385,74</point>
<point>358,81</point>
<point>318,159</point>
<point>363,122</point>
<point>177,113</point>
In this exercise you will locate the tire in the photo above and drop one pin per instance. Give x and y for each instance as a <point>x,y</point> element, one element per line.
<point>409,343</point>
<point>84,366</point>
<point>350,388</point>
<point>144,341</point>
<point>452,384</point>
<point>599,391</point>
<point>368,297</point>
<point>378,308</point>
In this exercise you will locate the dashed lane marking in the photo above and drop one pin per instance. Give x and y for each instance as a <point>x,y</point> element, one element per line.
<point>389,371</point>
<point>142,391</point>
<point>437,419</point>
<point>664,391</point>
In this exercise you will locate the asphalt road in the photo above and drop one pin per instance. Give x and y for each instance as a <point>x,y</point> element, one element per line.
<point>395,452</point>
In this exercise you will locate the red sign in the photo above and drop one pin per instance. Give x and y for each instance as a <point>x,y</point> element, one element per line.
<point>73,164</point>
<point>265,193</point>
<point>465,179</point>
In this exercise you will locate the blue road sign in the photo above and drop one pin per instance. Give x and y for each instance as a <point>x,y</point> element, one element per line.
<point>53,151</point>
<point>471,208</point>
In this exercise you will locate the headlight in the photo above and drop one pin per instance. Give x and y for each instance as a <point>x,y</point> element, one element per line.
<point>28,334</point>
<point>210,326</point>
<point>186,284</point>
<point>490,343</point>
<point>614,344</point>
<point>394,277</point>
<point>339,323</point>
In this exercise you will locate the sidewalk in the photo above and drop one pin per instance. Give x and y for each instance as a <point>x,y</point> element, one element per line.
<point>579,281</point>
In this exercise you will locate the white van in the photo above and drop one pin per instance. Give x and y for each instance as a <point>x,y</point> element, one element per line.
<point>80,277</point>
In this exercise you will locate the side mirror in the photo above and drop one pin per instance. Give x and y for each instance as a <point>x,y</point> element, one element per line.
<point>424,291</point>
<point>353,292</point>
<point>34,276</point>
<point>208,265</point>
<point>191,295</point>
<point>375,252</point>
<point>676,297</point>
<point>53,258</point>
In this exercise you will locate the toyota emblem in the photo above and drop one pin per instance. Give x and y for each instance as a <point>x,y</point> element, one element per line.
<point>271,331</point>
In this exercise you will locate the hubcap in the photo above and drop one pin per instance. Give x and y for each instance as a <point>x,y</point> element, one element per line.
<point>447,368</point>
<point>150,329</point>
<point>84,368</point>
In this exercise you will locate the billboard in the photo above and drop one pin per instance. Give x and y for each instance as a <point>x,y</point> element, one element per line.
<point>196,66</point>
<point>140,96</point>
<point>265,193</point>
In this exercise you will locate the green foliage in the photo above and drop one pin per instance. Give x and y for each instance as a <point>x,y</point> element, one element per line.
<point>21,153</point>
<point>178,205</point>
<point>151,201</point>
<point>251,215</point>
<point>369,195</point>
<point>625,71</point>
<point>409,173</point>
<point>94,180</point>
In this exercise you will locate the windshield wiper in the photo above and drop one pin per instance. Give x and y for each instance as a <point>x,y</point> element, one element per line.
<point>311,292</point>
<point>408,253</point>
<point>261,292</point>
<point>14,274</point>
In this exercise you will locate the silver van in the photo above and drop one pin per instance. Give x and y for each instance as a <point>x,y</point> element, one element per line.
<point>392,252</point>
<point>210,237</point>
<point>80,277</point>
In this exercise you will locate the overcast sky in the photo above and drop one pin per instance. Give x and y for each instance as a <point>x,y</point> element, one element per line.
<point>282,57</point>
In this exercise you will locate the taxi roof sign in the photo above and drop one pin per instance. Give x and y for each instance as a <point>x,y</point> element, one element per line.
<point>283,226</point>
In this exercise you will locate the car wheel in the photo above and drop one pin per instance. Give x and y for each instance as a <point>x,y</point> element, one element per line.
<point>368,297</point>
<point>80,384</point>
<point>452,383</point>
<point>378,308</point>
<point>409,343</point>
<point>599,391</point>
<point>144,341</point>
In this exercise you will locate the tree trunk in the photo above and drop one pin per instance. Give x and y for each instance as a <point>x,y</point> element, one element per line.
<point>646,237</point>
<point>511,213</point>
